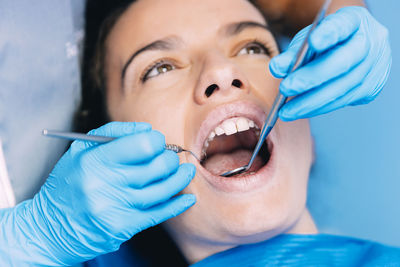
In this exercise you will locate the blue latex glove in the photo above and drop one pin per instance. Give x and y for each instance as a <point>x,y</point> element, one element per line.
<point>349,65</point>
<point>97,197</point>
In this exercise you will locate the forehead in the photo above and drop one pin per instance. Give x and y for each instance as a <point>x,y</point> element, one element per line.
<point>148,20</point>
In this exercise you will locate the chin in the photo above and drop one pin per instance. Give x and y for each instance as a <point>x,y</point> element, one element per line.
<point>260,219</point>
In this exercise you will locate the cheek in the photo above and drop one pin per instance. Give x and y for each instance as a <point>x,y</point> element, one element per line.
<point>296,142</point>
<point>164,109</point>
<point>265,87</point>
<point>297,156</point>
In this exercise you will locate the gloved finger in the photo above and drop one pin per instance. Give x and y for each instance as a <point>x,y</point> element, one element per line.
<point>336,28</point>
<point>340,60</point>
<point>113,129</point>
<point>376,78</point>
<point>345,100</point>
<point>132,149</point>
<point>304,104</point>
<point>140,176</point>
<point>164,211</point>
<point>163,190</point>
<point>119,129</point>
<point>280,64</point>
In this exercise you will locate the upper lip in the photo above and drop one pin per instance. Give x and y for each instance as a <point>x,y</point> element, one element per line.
<point>223,112</point>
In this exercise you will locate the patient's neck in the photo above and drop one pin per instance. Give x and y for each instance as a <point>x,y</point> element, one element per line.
<point>195,250</point>
<point>304,226</point>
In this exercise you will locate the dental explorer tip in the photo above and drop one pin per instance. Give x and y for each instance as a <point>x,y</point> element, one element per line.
<point>193,155</point>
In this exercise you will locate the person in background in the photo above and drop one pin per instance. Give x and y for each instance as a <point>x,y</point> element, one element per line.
<point>78,215</point>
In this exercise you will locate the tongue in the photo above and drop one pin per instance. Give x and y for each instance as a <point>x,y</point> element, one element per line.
<point>223,162</point>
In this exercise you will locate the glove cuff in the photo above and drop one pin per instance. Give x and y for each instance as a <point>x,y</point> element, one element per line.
<point>20,239</point>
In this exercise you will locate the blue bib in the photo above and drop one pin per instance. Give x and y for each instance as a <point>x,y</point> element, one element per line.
<point>307,250</point>
<point>284,250</point>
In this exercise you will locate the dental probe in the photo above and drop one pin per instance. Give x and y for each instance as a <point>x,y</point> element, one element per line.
<point>104,139</point>
<point>280,99</point>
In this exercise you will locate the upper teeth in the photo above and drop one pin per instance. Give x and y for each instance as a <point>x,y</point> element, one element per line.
<point>231,126</point>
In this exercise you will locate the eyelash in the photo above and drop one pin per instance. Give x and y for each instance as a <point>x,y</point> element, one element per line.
<point>147,71</point>
<point>264,46</point>
<point>161,62</point>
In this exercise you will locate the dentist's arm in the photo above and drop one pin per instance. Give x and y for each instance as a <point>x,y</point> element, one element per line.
<point>350,64</point>
<point>290,16</point>
<point>97,197</point>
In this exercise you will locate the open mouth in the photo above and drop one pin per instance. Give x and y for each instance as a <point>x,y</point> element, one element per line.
<point>231,144</point>
<point>226,140</point>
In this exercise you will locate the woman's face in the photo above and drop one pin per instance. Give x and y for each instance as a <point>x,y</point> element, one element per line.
<point>198,72</point>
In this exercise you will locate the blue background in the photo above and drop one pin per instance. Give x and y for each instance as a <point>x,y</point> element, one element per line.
<point>355,183</point>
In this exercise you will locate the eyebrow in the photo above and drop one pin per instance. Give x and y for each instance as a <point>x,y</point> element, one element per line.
<point>167,43</point>
<point>238,27</point>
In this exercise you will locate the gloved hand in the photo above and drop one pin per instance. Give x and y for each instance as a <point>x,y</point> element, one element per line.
<point>97,197</point>
<point>350,65</point>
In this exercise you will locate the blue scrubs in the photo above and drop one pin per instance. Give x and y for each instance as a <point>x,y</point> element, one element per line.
<point>284,250</point>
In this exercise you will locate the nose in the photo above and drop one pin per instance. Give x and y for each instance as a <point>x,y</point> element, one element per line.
<point>219,77</point>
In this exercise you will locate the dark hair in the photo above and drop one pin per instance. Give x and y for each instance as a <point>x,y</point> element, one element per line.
<point>100,17</point>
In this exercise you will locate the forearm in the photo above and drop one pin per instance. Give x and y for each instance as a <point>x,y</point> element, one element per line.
<point>289,16</point>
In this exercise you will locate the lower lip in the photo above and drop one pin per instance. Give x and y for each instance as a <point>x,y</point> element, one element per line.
<point>245,183</point>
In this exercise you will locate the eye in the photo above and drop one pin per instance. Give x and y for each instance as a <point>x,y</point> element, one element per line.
<point>254,48</point>
<point>157,69</point>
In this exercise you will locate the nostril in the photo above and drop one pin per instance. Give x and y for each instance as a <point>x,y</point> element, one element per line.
<point>237,83</point>
<point>211,89</point>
